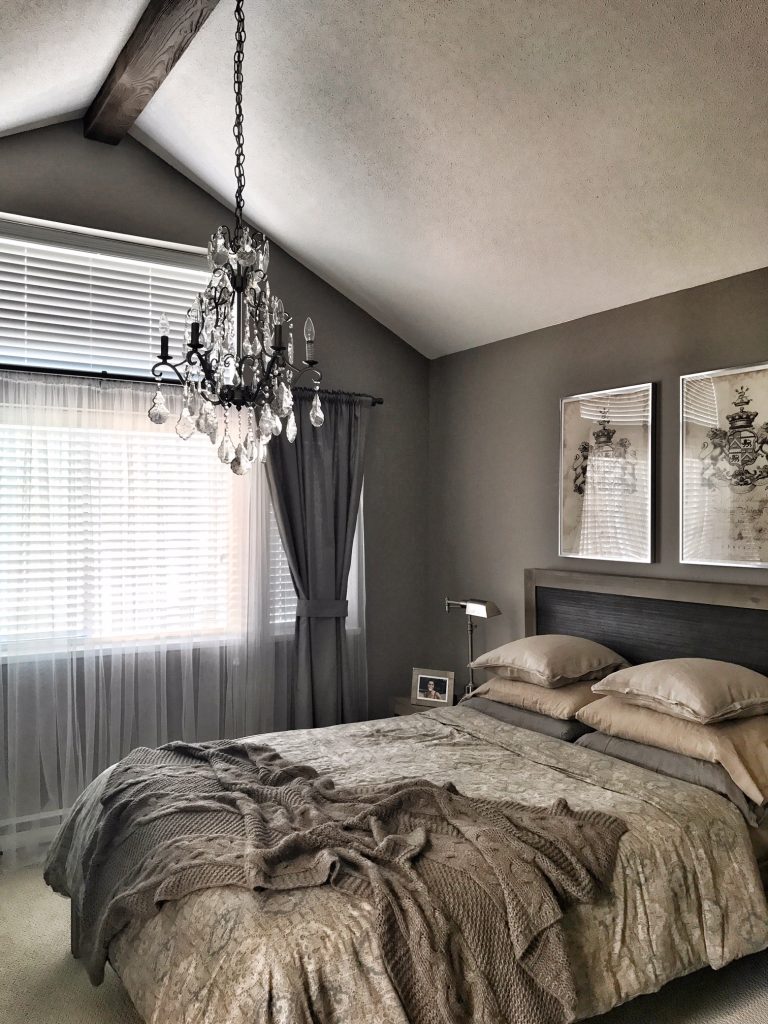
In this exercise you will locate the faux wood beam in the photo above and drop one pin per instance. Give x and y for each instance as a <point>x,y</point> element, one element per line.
<point>165,30</point>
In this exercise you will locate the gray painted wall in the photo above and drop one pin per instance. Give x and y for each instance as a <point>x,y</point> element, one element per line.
<point>494,430</point>
<point>55,174</point>
<point>483,506</point>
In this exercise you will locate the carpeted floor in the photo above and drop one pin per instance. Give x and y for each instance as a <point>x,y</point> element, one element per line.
<point>40,983</point>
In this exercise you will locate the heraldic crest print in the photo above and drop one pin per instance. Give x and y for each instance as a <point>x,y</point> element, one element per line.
<point>724,471</point>
<point>606,474</point>
<point>604,448</point>
<point>737,456</point>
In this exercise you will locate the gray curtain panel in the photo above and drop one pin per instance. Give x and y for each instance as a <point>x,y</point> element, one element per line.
<point>315,485</point>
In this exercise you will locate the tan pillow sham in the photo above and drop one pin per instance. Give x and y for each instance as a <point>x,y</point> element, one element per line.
<point>741,747</point>
<point>561,703</point>
<point>550,660</point>
<point>698,689</point>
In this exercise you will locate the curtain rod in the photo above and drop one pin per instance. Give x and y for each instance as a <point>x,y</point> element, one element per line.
<point>55,371</point>
<point>333,393</point>
<point>136,379</point>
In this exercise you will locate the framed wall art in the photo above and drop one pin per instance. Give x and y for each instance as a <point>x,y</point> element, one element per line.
<point>606,474</point>
<point>724,467</point>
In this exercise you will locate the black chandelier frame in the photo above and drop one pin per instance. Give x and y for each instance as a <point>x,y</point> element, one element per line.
<point>257,373</point>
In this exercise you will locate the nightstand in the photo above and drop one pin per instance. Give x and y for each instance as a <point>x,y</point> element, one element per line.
<point>403,706</point>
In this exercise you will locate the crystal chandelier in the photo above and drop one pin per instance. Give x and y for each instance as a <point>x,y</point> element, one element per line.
<point>238,336</point>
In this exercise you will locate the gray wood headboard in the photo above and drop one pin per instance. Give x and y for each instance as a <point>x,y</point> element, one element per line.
<point>646,619</point>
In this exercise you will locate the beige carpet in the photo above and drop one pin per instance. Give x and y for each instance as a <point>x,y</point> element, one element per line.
<point>40,983</point>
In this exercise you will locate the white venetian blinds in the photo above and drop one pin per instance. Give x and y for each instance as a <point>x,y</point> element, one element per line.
<point>282,594</point>
<point>114,531</point>
<point>80,308</point>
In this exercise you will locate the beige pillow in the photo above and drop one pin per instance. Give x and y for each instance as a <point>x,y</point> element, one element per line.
<point>699,689</point>
<point>562,703</point>
<point>741,747</point>
<point>551,660</point>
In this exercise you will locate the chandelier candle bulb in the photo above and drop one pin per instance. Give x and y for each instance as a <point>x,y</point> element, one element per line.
<point>233,351</point>
<point>309,338</point>
<point>165,329</point>
<point>278,315</point>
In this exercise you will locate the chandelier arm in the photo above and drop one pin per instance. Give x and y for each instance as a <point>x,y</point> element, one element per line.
<point>209,367</point>
<point>315,371</point>
<point>157,369</point>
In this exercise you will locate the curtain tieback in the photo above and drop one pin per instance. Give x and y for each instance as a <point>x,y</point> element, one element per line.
<point>321,609</point>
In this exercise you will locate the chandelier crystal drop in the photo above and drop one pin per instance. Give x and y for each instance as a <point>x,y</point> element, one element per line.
<point>238,336</point>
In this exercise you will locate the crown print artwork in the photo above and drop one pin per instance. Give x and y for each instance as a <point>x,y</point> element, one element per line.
<point>724,467</point>
<point>604,448</point>
<point>736,457</point>
<point>606,477</point>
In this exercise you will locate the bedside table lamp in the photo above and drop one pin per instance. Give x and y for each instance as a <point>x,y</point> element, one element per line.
<point>473,608</point>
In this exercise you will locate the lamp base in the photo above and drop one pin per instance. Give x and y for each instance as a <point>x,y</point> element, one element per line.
<point>471,627</point>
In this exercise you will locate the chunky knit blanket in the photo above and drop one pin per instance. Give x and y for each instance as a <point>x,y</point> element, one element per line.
<point>467,893</point>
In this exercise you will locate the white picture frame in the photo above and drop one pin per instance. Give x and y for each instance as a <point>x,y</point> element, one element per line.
<point>441,682</point>
<point>607,470</point>
<point>724,467</point>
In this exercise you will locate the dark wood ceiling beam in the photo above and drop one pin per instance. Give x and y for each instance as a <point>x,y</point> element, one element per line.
<point>165,30</point>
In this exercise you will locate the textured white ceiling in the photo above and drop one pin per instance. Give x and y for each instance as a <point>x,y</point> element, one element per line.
<point>472,170</point>
<point>54,55</point>
<point>465,170</point>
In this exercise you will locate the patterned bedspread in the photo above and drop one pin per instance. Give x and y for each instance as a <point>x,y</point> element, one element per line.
<point>686,890</point>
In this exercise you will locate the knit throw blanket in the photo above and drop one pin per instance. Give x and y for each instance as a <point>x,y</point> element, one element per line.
<point>466,893</point>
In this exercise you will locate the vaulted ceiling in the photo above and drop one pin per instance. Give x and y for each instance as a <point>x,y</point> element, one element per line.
<point>467,170</point>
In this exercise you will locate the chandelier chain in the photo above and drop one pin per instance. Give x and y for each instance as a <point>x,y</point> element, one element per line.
<point>238,126</point>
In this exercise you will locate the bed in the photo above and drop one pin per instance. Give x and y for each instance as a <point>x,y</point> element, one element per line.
<point>686,889</point>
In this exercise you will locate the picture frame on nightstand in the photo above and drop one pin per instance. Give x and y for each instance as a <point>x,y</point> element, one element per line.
<point>431,687</point>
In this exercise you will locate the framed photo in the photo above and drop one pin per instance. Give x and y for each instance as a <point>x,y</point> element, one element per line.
<point>607,474</point>
<point>724,467</point>
<point>432,686</point>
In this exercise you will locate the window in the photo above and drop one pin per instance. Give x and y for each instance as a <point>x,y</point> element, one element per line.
<point>100,510</point>
<point>113,530</point>
<point>73,307</point>
<point>282,596</point>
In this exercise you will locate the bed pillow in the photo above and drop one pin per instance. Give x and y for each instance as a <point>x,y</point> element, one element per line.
<point>561,703</point>
<point>677,766</point>
<point>698,689</point>
<point>556,727</point>
<point>551,660</point>
<point>740,746</point>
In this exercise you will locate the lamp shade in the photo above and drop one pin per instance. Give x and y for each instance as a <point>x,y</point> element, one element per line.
<point>481,609</point>
<point>474,606</point>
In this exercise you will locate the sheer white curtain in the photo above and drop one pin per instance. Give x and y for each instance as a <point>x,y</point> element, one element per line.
<point>134,593</point>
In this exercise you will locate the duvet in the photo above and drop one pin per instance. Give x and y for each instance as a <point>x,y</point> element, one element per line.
<point>685,892</point>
